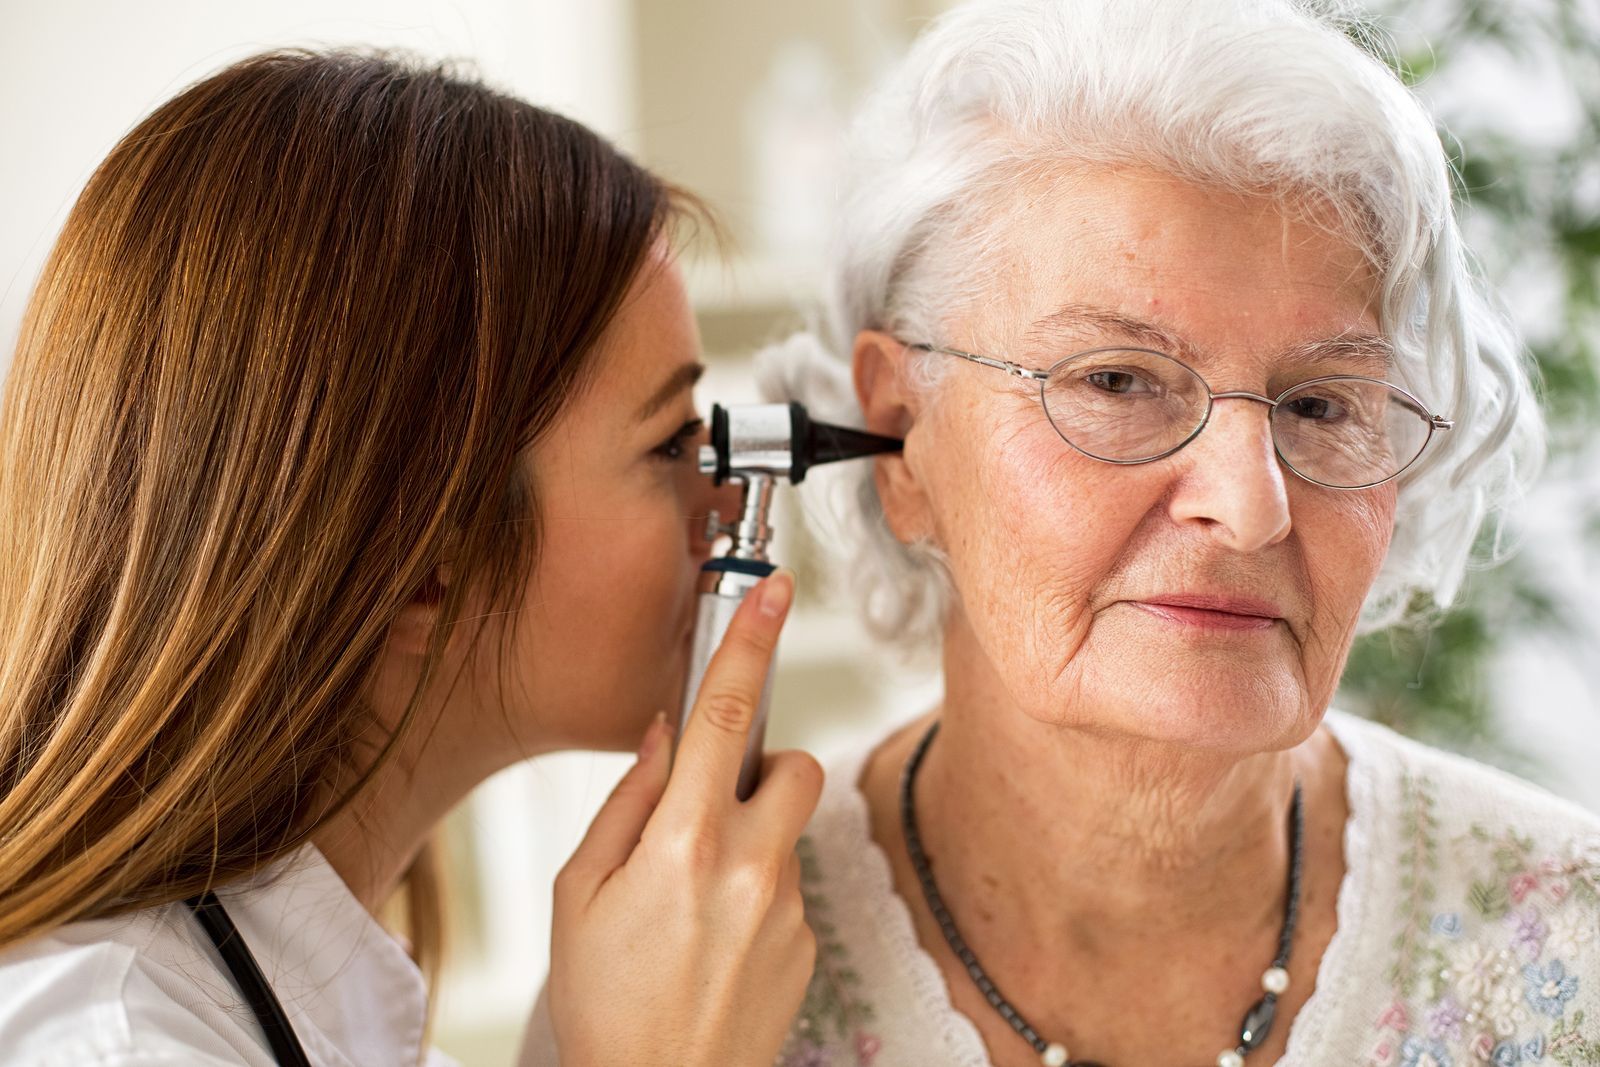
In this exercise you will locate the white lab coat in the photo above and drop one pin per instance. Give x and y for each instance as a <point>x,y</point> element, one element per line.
<point>149,989</point>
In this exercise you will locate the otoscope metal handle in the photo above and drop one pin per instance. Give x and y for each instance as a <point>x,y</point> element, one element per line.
<point>757,446</point>
<point>724,583</point>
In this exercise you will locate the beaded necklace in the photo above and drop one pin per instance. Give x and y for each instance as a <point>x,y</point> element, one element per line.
<point>1257,1021</point>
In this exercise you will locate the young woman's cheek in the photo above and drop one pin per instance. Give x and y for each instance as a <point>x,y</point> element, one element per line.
<point>656,557</point>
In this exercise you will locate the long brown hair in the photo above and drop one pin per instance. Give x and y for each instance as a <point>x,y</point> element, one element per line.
<point>278,366</point>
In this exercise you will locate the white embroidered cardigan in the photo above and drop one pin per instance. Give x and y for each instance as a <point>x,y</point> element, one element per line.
<point>1468,928</point>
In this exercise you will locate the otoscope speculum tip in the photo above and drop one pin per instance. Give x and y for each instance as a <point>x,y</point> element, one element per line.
<point>780,440</point>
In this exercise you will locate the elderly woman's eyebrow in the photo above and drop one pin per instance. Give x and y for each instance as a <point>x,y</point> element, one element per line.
<point>1081,319</point>
<point>1368,348</point>
<point>1089,320</point>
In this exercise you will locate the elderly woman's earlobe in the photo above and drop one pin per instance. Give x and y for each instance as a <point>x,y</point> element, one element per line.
<point>878,370</point>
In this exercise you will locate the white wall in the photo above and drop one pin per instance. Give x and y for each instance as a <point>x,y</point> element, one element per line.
<point>75,75</point>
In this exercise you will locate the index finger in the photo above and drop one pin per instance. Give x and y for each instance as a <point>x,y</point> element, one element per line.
<point>712,746</point>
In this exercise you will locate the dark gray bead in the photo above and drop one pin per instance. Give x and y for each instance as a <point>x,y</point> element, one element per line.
<point>1258,1022</point>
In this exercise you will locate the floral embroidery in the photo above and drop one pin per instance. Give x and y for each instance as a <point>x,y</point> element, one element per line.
<point>830,1030</point>
<point>1511,1054</point>
<point>1550,987</point>
<point>1446,1018</point>
<point>806,1053</point>
<point>1568,1045</point>
<point>1415,1052</point>
<point>1496,976</point>
<point>1418,858</point>
<point>1529,933</point>
<point>1570,931</point>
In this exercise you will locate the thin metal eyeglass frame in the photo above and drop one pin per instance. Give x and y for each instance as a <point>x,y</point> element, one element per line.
<point>1017,370</point>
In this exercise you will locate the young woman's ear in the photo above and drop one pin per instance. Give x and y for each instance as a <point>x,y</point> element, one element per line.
<point>413,628</point>
<point>878,369</point>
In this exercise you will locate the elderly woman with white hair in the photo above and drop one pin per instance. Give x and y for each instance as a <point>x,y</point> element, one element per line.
<point>1170,306</point>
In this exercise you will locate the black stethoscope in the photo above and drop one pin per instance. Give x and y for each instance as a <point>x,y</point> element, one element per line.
<point>248,977</point>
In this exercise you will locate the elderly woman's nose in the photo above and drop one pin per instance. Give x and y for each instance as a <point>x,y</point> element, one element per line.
<point>1232,479</point>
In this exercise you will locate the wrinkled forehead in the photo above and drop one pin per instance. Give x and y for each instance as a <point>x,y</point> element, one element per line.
<point>1114,255</point>
<point>1073,326</point>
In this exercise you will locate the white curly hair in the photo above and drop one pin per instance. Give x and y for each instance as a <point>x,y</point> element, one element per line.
<point>1257,96</point>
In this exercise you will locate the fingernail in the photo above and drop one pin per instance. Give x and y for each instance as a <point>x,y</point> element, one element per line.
<point>653,736</point>
<point>776,592</point>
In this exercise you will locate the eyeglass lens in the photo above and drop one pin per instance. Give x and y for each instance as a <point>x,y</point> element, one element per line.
<point>1130,405</point>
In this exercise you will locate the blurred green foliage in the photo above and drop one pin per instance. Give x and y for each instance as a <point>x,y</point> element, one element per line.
<point>1527,176</point>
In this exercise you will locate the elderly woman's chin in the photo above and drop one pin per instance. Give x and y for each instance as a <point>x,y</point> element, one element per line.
<point>1157,674</point>
<point>1132,679</point>
<point>1152,661</point>
<point>1210,699</point>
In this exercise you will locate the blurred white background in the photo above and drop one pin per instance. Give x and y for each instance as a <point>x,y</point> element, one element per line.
<point>741,102</point>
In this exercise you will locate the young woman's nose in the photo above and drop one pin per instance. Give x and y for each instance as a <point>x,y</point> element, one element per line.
<point>1231,478</point>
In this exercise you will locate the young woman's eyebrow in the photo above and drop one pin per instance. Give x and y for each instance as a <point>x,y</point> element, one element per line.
<point>684,377</point>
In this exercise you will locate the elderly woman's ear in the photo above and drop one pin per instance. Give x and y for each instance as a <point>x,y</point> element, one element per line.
<point>888,405</point>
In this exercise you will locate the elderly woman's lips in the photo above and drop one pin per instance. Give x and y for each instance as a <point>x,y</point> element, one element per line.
<point>1219,613</point>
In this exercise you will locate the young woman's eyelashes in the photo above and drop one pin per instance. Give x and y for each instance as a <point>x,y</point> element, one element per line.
<point>673,447</point>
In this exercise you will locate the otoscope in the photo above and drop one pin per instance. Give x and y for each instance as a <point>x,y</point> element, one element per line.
<point>756,446</point>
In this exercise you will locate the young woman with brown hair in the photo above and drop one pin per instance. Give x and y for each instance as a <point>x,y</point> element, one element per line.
<point>348,459</point>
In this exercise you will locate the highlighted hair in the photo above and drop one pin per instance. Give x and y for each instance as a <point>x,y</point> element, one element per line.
<point>280,364</point>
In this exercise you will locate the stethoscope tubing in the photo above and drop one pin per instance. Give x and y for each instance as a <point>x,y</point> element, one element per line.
<point>258,994</point>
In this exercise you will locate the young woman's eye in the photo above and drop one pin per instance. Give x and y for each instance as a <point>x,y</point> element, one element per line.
<point>676,446</point>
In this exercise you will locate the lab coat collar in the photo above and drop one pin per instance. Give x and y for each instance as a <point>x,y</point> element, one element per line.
<point>352,993</point>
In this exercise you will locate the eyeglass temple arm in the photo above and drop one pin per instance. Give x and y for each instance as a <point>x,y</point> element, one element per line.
<point>1437,422</point>
<point>1016,370</point>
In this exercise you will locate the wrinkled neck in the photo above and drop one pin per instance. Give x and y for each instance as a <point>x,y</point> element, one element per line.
<point>1088,834</point>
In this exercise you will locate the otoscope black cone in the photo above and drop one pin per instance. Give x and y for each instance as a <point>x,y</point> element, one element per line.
<point>816,443</point>
<point>719,441</point>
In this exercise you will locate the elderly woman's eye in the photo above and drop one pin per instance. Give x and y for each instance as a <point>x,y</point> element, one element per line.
<point>1315,408</point>
<point>1118,381</point>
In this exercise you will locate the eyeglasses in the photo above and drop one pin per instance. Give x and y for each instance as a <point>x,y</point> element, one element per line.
<point>1136,405</point>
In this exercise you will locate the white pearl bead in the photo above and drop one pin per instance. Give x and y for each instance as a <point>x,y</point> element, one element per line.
<point>1230,1058</point>
<point>1055,1055</point>
<point>1275,980</point>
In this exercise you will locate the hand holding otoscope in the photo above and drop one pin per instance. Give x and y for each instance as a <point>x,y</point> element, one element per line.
<point>703,842</point>
<point>756,445</point>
